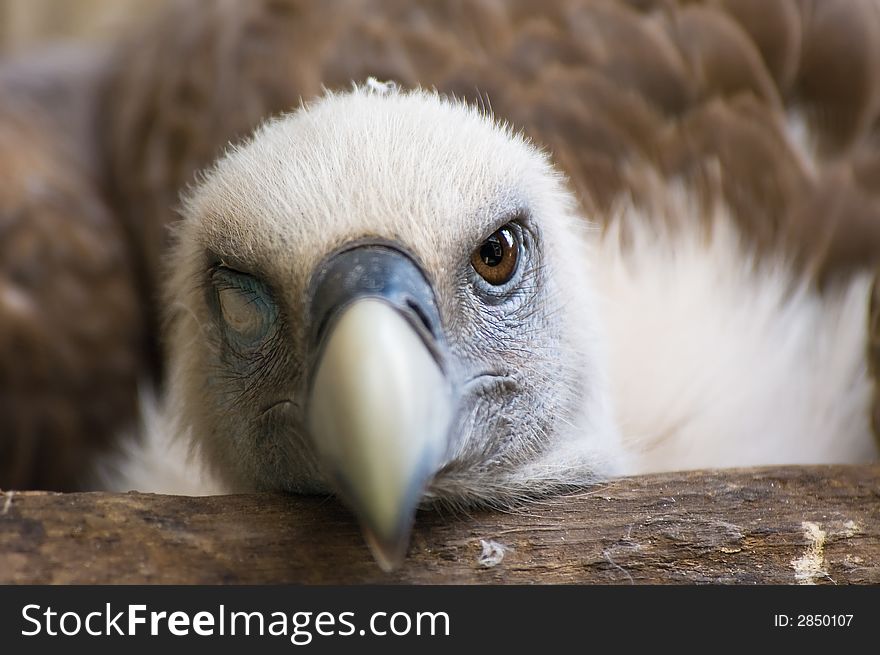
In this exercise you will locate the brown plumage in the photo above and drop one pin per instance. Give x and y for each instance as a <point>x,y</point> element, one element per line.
<point>71,317</point>
<point>625,95</point>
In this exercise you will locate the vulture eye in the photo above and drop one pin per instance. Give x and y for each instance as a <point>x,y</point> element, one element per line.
<point>245,305</point>
<point>497,257</point>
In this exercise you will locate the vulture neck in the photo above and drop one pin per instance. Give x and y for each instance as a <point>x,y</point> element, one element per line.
<point>721,358</point>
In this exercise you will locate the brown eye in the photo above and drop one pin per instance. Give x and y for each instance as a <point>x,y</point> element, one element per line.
<point>496,258</point>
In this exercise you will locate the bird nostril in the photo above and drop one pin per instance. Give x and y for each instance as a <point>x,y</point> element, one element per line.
<point>422,316</point>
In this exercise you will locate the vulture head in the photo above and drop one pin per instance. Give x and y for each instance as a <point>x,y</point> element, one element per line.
<point>385,295</point>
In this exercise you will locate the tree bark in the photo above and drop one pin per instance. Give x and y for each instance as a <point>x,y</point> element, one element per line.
<point>790,525</point>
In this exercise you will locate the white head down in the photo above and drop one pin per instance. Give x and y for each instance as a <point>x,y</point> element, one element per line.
<point>386,295</point>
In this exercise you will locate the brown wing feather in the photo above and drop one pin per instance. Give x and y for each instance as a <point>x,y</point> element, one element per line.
<point>70,323</point>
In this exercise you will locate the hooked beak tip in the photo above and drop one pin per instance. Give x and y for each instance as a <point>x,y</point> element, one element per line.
<point>379,411</point>
<point>388,552</point>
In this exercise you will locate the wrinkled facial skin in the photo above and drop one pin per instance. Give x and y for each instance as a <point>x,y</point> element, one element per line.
<point>266,217</point>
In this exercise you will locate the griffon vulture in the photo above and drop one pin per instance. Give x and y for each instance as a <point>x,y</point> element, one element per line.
<point>482,252</point>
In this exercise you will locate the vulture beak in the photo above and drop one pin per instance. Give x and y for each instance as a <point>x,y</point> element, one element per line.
<point>380,402</point>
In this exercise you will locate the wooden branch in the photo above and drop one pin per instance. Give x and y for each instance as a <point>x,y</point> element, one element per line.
<point>782,525</point>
